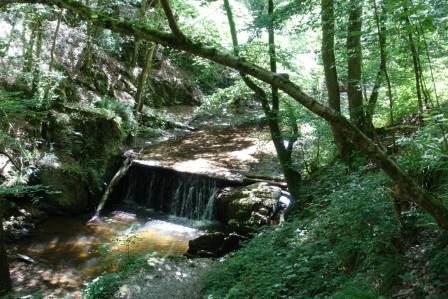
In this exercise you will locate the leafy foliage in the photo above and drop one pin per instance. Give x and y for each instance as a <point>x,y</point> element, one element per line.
<point>344,239</point>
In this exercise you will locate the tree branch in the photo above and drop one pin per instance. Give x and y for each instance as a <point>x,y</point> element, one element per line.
<point>259,92</point>
<point>14,163</point>
<point>172,20</point>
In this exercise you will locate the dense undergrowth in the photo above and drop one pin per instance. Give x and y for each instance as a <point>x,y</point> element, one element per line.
<point>344,239</point>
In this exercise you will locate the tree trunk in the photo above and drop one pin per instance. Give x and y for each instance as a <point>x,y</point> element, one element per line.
<point>5,279</point>
<point>331,75</point>
<point>29,57</point>
<point>426,95</point>
<point>381,31</point>
<point>354,59</point>
<point>292,176</point>
<point>37,60</point>
<point>428,56</point>
<point>56,32</point>
<point>11,37</point>
<point>149,56</point>
<point>352,133</point>
<point>414,53</point>
<point>137,43</point>
<point>85,58</point>
<point>284,155</point>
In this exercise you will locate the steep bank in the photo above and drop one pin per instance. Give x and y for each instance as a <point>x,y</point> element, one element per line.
<point>350,237</point>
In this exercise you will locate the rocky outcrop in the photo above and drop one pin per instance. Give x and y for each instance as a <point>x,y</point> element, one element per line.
<point>246,208</point>
<point>84,151</point>
<point>171,86</point>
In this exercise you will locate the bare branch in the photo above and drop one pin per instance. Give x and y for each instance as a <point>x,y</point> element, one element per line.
<point>14,163</point>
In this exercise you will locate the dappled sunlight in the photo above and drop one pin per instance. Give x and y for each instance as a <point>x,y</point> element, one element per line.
<point>156,235</point>
<point>225,153</point>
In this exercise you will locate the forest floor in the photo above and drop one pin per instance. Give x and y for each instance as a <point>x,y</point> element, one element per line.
<point>169,278</point>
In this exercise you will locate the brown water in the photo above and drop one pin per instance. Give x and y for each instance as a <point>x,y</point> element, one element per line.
<point>69,251</point>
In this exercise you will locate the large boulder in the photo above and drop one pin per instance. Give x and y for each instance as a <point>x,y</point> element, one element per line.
<point>245,208</point>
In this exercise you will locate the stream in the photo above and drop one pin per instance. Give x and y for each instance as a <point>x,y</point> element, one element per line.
<point>66,251</point>
<point>159,205</point>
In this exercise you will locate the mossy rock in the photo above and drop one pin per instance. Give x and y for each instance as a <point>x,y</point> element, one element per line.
<point>87,147</point>
<point>67,181</point>
<point>245,208</point>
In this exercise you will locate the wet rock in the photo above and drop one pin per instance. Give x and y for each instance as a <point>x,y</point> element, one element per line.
<point>245,208</point>
<point>214,244</point>
<point>124,217</point>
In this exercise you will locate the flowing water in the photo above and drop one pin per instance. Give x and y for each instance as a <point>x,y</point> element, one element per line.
<point>171,192</point>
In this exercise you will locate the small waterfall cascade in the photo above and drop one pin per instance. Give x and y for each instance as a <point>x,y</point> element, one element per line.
<point>166,190</point>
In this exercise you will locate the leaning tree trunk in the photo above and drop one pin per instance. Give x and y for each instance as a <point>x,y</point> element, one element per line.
<point>354,59</point>
<point>353,134</point>
<point>149,56</point>
<point>5,279</point>
<point>331,75</point>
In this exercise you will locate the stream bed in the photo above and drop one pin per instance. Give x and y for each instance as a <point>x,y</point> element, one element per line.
<point>65,252</point>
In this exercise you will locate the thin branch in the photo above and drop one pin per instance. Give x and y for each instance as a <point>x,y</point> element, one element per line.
<point>14,163</point>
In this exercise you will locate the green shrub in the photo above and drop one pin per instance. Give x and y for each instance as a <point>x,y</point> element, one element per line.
<point>438,266</point>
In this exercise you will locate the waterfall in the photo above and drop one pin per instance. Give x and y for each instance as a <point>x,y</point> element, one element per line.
<point>166,190</point>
